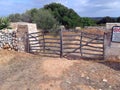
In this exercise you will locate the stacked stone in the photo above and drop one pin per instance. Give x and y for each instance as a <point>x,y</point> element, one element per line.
<point>8,40</point>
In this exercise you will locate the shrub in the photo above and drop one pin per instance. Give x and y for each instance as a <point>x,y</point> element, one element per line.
<point>4,23</point>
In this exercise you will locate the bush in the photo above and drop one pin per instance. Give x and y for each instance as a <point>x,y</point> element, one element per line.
<point>4,23</point>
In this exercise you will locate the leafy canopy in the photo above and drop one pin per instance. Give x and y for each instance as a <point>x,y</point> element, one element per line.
<point>67,17</point>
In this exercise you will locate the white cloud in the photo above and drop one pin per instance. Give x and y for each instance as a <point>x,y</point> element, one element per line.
<point>83,7</point>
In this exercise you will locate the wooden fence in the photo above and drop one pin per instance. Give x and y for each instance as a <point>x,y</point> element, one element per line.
<point>82,44</point>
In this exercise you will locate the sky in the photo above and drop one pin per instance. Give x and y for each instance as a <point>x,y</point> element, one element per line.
<point>85,8</point>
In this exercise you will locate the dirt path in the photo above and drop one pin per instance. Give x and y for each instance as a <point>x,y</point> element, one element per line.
<point>21,71</point>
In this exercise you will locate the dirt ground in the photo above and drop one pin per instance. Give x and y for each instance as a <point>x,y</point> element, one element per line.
<point>22,71</point>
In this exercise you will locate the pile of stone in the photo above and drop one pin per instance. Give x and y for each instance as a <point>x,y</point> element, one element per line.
<point>8,39</point>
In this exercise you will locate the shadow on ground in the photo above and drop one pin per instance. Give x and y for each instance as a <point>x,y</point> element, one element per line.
<point>112,64</point>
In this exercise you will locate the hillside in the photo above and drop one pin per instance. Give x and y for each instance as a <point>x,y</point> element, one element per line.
<point>22,71</point>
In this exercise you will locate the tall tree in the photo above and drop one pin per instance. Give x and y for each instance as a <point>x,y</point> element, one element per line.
<point>67,17</point>
<point>45,20</point>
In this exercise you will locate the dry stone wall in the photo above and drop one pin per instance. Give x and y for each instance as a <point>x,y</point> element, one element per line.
<point>16,38</point>
<point>23,29</point>
<point>8,40</point>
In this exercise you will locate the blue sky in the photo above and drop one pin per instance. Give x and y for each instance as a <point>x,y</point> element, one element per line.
<point>89,8</point>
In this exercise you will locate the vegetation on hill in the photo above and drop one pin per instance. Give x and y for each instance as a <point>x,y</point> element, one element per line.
<point>51,16</point>
<point>43,18</point>
<point>85,21</point>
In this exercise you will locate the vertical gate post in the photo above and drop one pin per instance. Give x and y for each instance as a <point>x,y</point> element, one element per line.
<point>107,42</point>
<point>81,44</point>
<point>61,43</point>
<point>27,42</point>
<point>43,42</point>
<point>104,45</point>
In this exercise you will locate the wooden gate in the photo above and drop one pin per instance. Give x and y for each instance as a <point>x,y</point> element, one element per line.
<point>83,44</point>
<point>68,43</point>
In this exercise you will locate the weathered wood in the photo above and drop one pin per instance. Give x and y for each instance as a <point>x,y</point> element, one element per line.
<point>34,43</point>
<point>70,39</point>
<point>61,43</point>
<point>70,47</point>
<point>74,35</point>
<point>43,43</point>
<point>90,41</point>
<point>70,43</point>
<point>53,46</point>
<point>71,52</point>
<point>28,43</point>
<point>86,33</point>
<point>35,40</point>
<point>52,42</point>
<point>49,50</point>
<point>35,49</point>
<point>92,54</point>
<point>30,36</point>
<point>95,47</point>
<point>51,38</point>
<point>81,44</point>
<point>95,42</point>
<point>35,46</point>
<point>92,50</point>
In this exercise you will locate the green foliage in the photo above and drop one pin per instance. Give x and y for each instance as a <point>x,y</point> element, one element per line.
<point>51,16</point>
<point>85,21</point>
<point>29,15</point>
<point>67,17</point>
<point>45,20</point>
<point>105,20</point>
<point>4,23</point>
<point>15,17</point>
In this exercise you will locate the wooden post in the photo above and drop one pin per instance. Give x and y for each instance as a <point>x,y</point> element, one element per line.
<point>27,47</point>
<point>61,43</point>
<point>81,44</point>
<point>106,43</point>
<point>43,42</point>
<point>26,42</point>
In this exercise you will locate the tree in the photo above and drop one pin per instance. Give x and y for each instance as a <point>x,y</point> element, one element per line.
<point>15,17</point>
<point>28,16</point>
<point>105,20</point>
<point>85,21</point>
<point>67,17</point>
<point>45,20</point>
<point>4,23</point>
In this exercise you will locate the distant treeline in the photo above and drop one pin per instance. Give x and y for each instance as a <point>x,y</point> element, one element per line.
<point>106,19</point>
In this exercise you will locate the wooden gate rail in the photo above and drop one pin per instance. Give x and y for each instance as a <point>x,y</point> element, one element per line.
<point>81,43</point>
